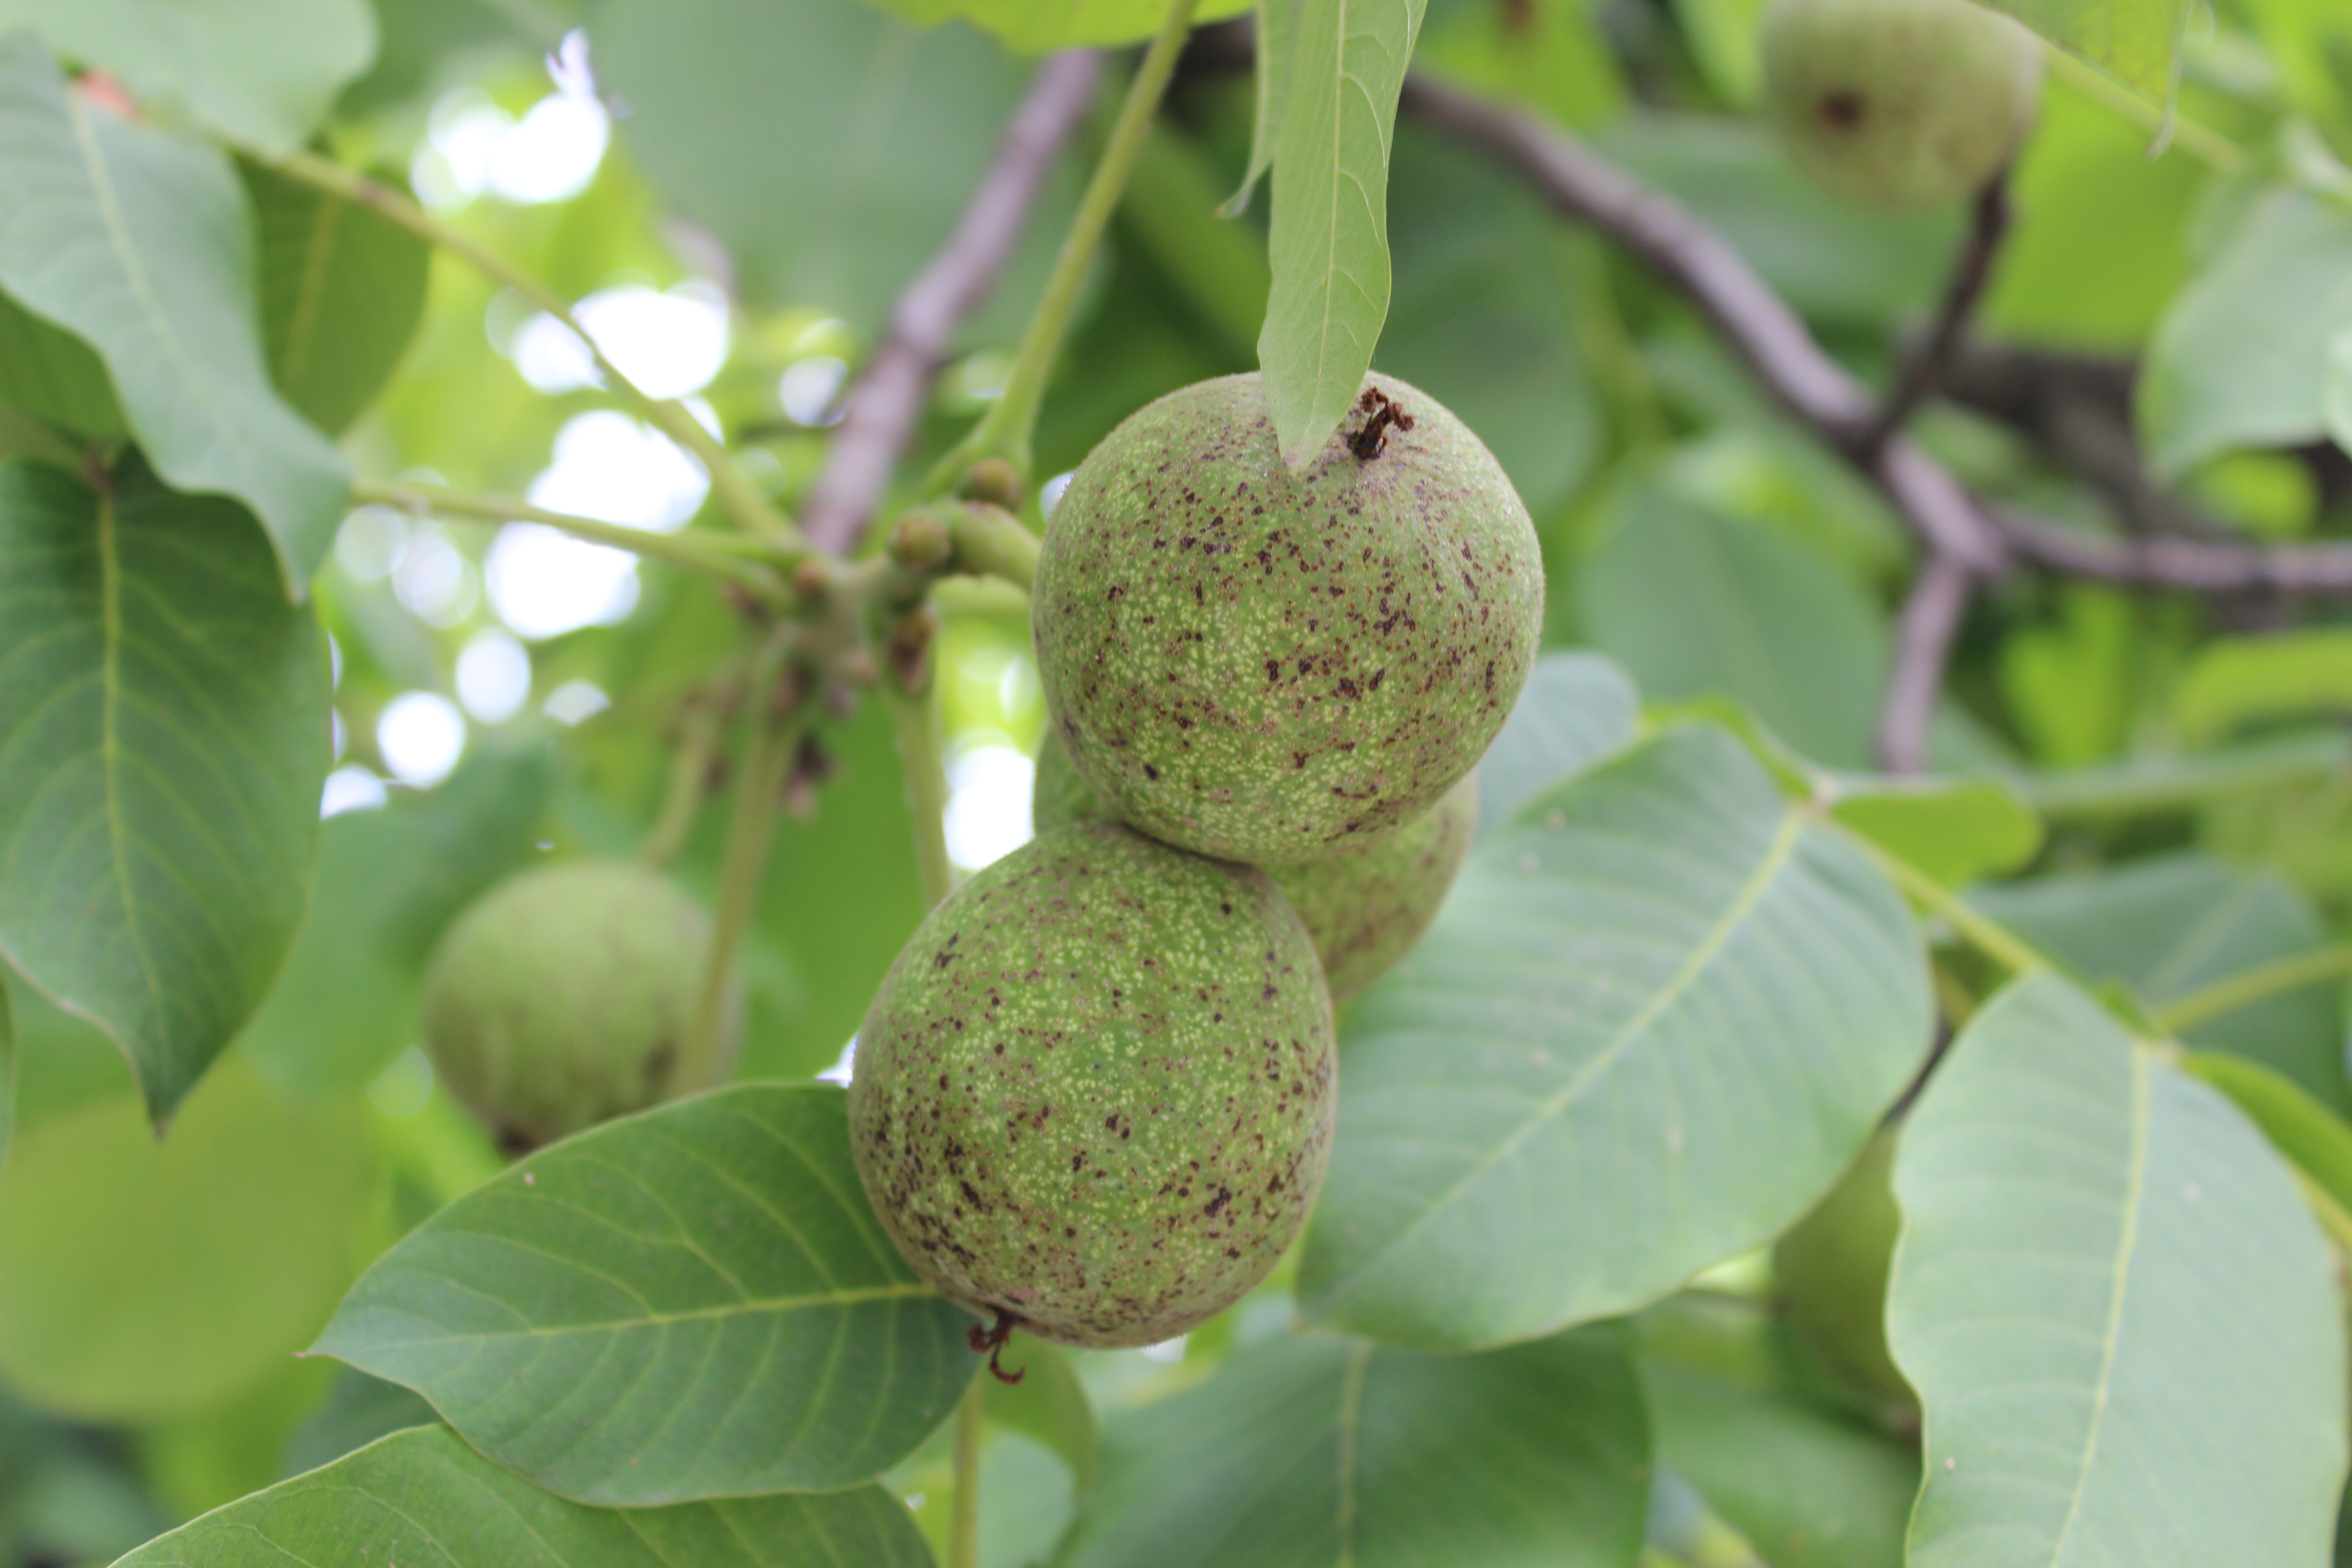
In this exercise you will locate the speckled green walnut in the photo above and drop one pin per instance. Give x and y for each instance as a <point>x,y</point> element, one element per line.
<point>1266,666</point>
<point>1095,1091</point>
<point>1902,104</point>
<point>1364,906</point>
<point>562,998</point>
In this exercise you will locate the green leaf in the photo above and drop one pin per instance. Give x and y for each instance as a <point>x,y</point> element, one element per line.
<point>346,1003</point>
<point>162,743</point>
<point>2313,1139</point>
<point>1956,830</point>
<point>693,1302</point>
<point>343,288</point>
<point>53,376</point>
<point>7,1076</point>
<point>1722,39</point>
<point>2123,1325</point>
<point>140,242</point>
<point>1550,54</point>
<point>861,849</point>
<point>1829,259</point>
<point>1481,315</point>
<point>1660,1012</point>
<point>1576,710</point>
<point>893,126</point>
<point>2234,682</point>
<point>1329,241</point>
<point>262,70</point>
<point>2170,926</point>
<point>2182,783</point>
<point>2138,42</point>
<point>2241,358</point>
<point>1807,1488</point>
<point>1170,210</point>
<point>143,1279</point>
<point>1324,1452</point>
<point>2086,174</point>
<point>1276,38</point>
<point>358,1410</point>
<point>1034,27</point>
<point>1050,1404</point>
<point>1692,604</point>
<point>417,40</point>
<point>423,1497</point>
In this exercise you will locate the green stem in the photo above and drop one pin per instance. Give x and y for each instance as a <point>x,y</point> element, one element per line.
<point>963,1531</point>
<point>768,747</point>
<point>991,542</point>
<point>923,753</point>
<point>1005,430</point>
<point>2249,986</point>
<point>689,772</point>
<point>2326,1209</point>
<point>1988,936</point>
<point>751,510</point>
<point>713,554</point>
<point>2200,141</point>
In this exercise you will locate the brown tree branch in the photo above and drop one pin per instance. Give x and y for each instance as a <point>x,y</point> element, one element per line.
<point>1751,320</point>
<point>1971,272</point>
<point>2167,561</point>
<point>1923,647</point>
<point>879,417</point>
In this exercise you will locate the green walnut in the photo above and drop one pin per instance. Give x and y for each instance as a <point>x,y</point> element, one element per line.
<point>564,997</point>
<point>1364,906</point>
<point>1094,1095</point>
<point>1831,1271</point>
<point>1903,103</point>
<point>1266,665</point>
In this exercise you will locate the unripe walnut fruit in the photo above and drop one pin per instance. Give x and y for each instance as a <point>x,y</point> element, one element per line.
<point>563,997</point>
<point>1266,665</point>
<point>1095,1092</point>
<point>1364,906</point>
<point>1904,103</point>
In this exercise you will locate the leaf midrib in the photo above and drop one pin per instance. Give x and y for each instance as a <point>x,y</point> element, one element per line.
<point>2127,1241</point>
<point>158,320</point>
<point>1776,855</point>
<point>110,743</point>
<point>906,1290</point>
<point>309,296</point>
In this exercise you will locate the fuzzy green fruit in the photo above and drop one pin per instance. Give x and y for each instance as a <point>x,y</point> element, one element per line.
<point>1095,1091</point>
<point>1831,1271</point>
<point>1904,103</point>
<point>1266,666</point>
<point>563,996</point>
<point>1364,906</point>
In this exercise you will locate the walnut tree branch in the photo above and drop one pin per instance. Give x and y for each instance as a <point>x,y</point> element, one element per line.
<point>1924,373</point>
<point>1751,320</point>
<point>2159,561</point>
<point>1923,647</point>
<point>879,417</point>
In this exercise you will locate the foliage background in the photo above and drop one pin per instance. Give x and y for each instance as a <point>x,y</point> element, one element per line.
<point>2162,799</point>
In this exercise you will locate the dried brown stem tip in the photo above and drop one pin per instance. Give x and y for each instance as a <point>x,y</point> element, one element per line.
<point>991,1341</point>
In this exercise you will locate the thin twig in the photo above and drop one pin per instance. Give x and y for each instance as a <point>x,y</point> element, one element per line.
<point>1752,321</point>
<point>750,510</point>
<point>1971,271</point>
<point>887,398</point>
<point>734,557</point>
<point>2198,565</point>
<point>1005,430</point>
<point>1923,647</point>
<point>1778,350</point>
